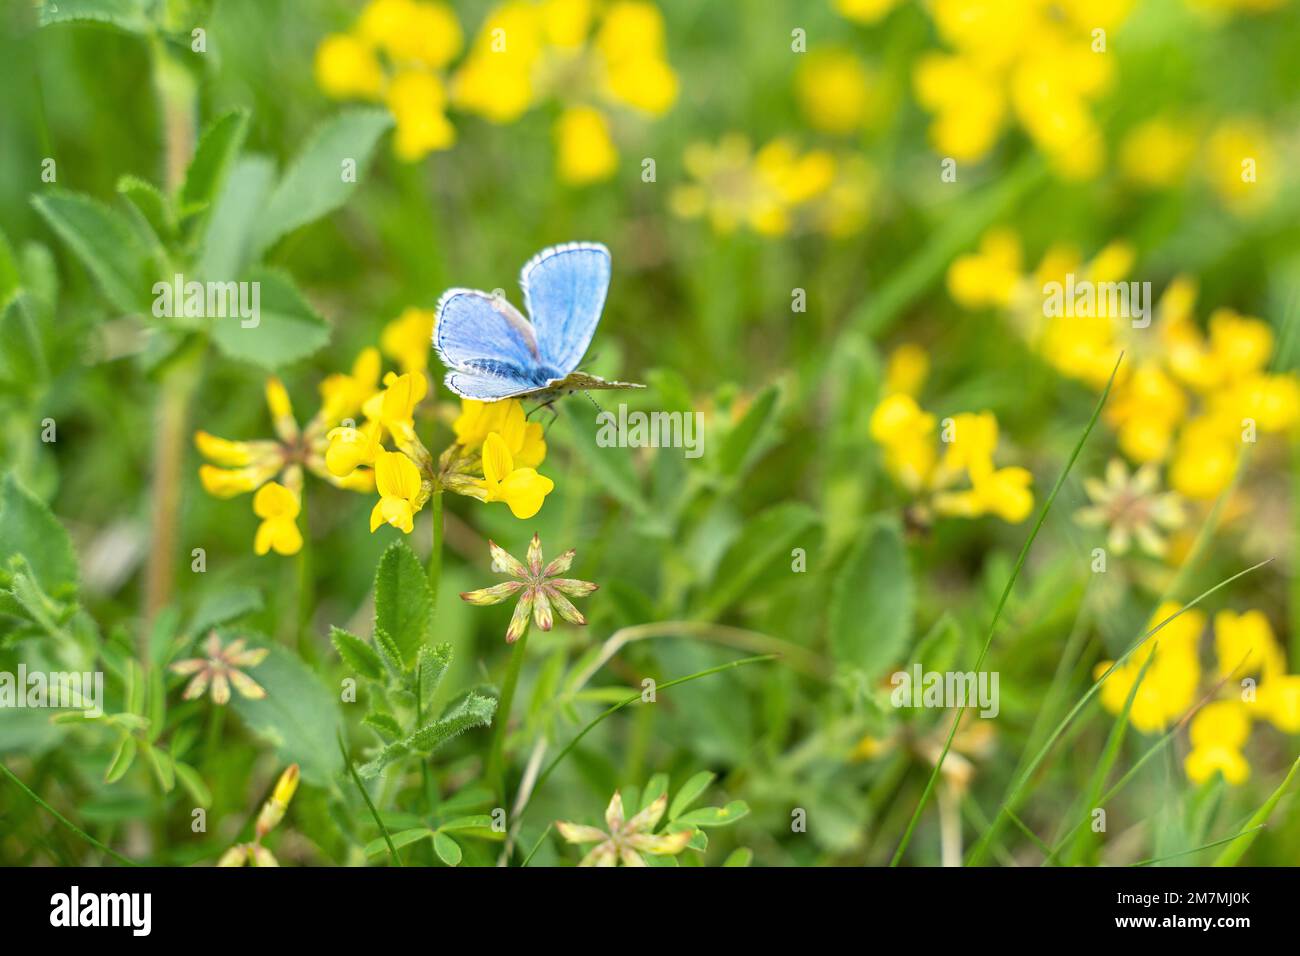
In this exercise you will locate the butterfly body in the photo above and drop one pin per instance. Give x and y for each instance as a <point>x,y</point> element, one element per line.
<point>493,352</point>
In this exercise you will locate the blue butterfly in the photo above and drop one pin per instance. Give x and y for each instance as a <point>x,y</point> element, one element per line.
<point>493,352</point>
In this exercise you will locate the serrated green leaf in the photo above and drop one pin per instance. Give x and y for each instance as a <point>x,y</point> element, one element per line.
<point>357,654</point>
<point>403,601</point>
<point>871,603</point>
<point>689,792</point>
<point>473,711</point>
<point>29,528</point>
<point>213,157</point>
<point>150,203</point>
<point>384,724</point>
<point>284,329</point>
<point>448,850</point>
<point>227,234</point>
<point>390,652</point>
<point>714,816</point>
<point>107,246</point>
<point>314,184</point>
<point>122,759</point>
<point>430,667</point>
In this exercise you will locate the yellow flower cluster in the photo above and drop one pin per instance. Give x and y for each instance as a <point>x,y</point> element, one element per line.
<point>1039,62</point>
<point>1249,663</point>
<point>1184,398</point>
<point>774,191</point>
<point>906,433</point>
<point>589,57</point>
<point>833,88</point>
<point>238,467</point>
<point>397,52</point>
<point>1237,159</point>
<point>330,446</point>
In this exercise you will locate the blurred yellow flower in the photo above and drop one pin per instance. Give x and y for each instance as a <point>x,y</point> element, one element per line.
<point>346,68</point>
<point>906,370</point>
<point>407,339</point>
<point>989,276</point>
<point>1218,732</point>
<point>418,104</point>
<point>1244,644</point>
<point>1241,165</point>
<point>864,11</point>
<point>833,88</point>
<point>586,150</point>
<point>1169,687</point>
<point>1156,154</point>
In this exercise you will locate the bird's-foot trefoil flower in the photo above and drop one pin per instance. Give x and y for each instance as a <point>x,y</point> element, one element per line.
<point>220,668</point>
<point>543,591</point>
<point>626,840</point>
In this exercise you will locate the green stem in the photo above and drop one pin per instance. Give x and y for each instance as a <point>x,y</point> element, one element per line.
<point>352,771</point>
<point>495,772</point>
<point>435,554</point>
<point>64,820</point>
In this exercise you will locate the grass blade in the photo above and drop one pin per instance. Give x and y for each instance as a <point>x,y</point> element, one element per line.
<point>997,613</point>
<point>352,771</point>
<point>1237,849</point>
<point>64,820</point>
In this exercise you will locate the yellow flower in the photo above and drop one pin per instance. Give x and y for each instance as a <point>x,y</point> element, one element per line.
<point>989,276</point>
<point>418,104</point>
<point>974,437</point>
<point>631,43</point>
<point>1244,643</point>
<point>351,447</point>
<point>1156,154</point>
<point>407,339</point>
<point>277,402</point>
<point>427,34</point>
<point>1241,164</point>
<point>524,439</point>
<point>278,508</point>
<point>346,67</point>
<point>1217,734</point>
<point>1205,457</point>
<point>906,370</point>
<point>907,434</point>
<point>834,91</point>
<point>400,487</point>
<point>522,489</point>
<point>1239,344</point>
<point>586,151</point>
<point>864,11</point>
<point>394,407</point>
<point>343,395</point>
<point>1169,687</point>
<point>1279,700</point>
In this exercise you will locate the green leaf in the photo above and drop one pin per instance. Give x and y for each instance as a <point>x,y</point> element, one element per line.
<point>284,328</point>
<point>122,759</point>
<point>403,601</point>
<point>741,856</point>
<point>107,245</point>
<point>10,279</point>
<point>473,711</point>
<point>161,765</point>
<point>430,667</point>
<point>763,544</point>
<point>750,437</point>
<point>314,184</point>
<point>690,792</point>
<point>1235,850</point>
<point>384,724</point>
<point>126,15</point>
<point>448,850</point>
<point>227,236</point>
<point>655,788</point>
<point>220,607</point>
<point>871,603</point>
<point>189,779</point>
<point>714,816</point>
<point>214,156</point>
<point>150,203</point>
<point>357,654</point>
<point>478,821</point>
<point>29,528</point>
<point>400,839</point>
<point>298,716</point>
<point>392,656</point>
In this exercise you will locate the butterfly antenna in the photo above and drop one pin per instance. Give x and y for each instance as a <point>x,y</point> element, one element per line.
<point>593,401</point>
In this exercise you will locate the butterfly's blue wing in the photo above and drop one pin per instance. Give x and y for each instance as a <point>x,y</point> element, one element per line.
<point>473,328</point>
<point>486,388</point>
<point>564,293</point>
